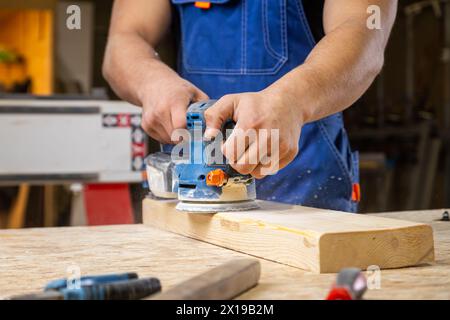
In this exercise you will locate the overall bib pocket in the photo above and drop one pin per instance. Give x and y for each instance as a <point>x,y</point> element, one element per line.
<point>233,37</point>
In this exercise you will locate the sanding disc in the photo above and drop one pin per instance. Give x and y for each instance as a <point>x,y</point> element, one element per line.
<point>213,207</point>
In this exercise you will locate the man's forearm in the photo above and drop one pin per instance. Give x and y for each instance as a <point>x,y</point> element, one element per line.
<point>135,72</point>
<point>130,59</point>
<point>129,62</point>
<point>337,72</point>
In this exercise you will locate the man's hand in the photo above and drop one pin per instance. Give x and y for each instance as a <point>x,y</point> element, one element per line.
<point>258,113</point>
<point>133,69</point>
<point>165,98</point>
<point>336,73</point>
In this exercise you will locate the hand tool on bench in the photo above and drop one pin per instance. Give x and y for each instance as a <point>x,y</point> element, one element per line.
<point>60,284</point>
<point>224,282</point>
<point>202,180</point>
<point>351,284</point>
<point>125,286</point>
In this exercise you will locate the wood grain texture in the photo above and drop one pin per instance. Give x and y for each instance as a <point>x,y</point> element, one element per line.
<point>29,258</point>
<point>321,241</point>
<point>223,282</point>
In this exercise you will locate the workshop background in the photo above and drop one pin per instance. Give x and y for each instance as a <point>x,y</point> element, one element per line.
<point>401,126</point>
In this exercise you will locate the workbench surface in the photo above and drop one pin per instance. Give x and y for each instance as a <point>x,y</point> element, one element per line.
<point>29,258</point>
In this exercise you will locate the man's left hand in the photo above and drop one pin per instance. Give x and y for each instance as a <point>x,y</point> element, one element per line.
<point>259,113</point>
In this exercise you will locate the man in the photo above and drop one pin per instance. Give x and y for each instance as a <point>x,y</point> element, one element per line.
<point>291,65</point>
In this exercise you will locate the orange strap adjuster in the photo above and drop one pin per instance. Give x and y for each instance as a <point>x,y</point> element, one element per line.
<point>356,192</point>
<point>203,4</point>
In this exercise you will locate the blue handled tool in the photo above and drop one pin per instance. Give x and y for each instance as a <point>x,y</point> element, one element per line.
<point>90,280</point>
<point>203,181</point>
<point>102,287</point>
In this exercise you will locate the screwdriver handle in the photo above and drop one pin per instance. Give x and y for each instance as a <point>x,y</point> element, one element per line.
<point>120,290</point>
<point>90,280</point>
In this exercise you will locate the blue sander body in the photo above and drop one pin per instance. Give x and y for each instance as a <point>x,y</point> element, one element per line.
<point>196,172</point>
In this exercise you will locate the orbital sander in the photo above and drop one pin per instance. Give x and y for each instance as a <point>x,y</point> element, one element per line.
<point>196,172</point>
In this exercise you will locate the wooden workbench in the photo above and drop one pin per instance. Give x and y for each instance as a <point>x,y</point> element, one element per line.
<point>30,258</point>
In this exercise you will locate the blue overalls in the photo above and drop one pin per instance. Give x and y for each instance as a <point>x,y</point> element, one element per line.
<point>235,46</point>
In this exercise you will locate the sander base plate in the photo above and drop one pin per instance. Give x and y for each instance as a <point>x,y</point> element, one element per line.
<point>213,207</point>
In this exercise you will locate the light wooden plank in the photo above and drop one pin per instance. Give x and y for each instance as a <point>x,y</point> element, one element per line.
<point>318,240</point>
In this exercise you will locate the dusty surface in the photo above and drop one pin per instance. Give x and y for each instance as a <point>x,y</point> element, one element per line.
<point>30,258</point>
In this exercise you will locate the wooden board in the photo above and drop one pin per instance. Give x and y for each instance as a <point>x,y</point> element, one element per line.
<point>223,282</point>
<point>29,258</point>
<point>321,241</point>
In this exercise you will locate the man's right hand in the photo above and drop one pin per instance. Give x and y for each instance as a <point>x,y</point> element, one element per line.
<point>134,71</point>
<point>165,98</point>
